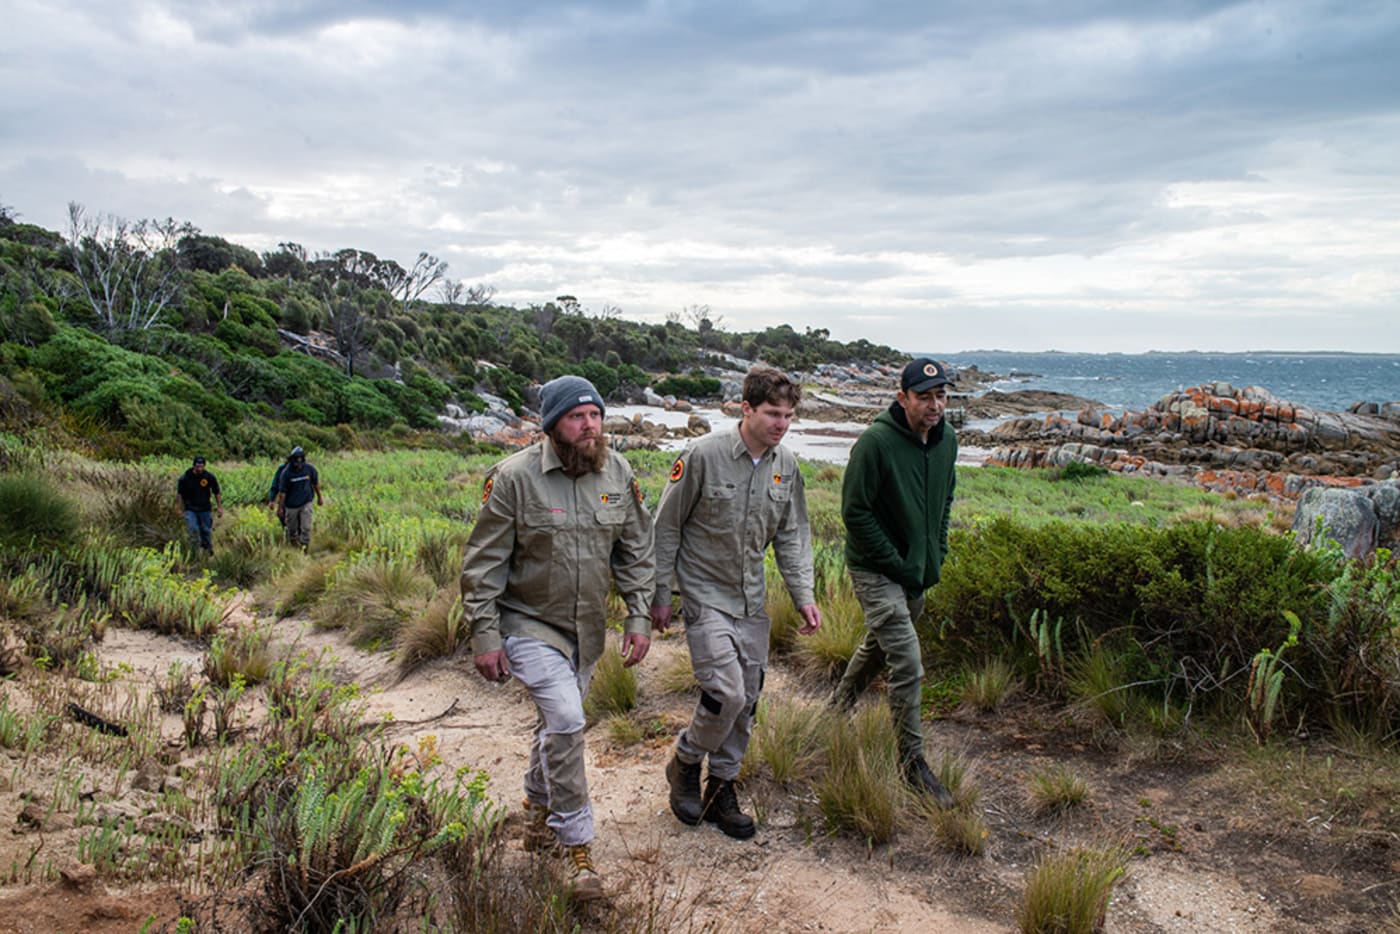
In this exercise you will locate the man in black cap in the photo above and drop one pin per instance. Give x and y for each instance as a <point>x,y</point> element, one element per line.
<point>895,501</point>
<point>194,490</point>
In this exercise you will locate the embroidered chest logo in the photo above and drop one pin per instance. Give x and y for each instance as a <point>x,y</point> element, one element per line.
<point>777,478</point>
<point>677,470</point>
<point>486,490</point>
<point>204,483</point>
<point>604,498</point>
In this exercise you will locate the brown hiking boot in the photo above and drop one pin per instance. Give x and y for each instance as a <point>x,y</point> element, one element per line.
<point>537,835</point>
<point>685,790</point>
<point>722,808</point>
<point>585,885</point>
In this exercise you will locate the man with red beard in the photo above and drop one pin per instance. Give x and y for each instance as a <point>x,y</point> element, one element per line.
<point>560,522</point>
<point>732,494</point>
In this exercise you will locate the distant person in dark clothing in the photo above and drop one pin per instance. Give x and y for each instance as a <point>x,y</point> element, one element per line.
<point>277,488</point>
<point>195,490</point>
<point>299,487</point>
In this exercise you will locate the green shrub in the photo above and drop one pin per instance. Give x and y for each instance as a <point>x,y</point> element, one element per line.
<point>613,689</point>
<point>688,387</point>
<point>32,508</point>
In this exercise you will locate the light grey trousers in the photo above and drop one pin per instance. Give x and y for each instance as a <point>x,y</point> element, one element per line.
<point>729,655</point>
<point>555,777</point>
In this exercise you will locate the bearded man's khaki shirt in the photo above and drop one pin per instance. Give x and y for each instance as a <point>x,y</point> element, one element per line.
<point>546,548</point>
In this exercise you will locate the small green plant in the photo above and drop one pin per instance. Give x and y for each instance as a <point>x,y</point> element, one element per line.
<point>1068,893</point>
<point>986,687</point>
<point>1056,789</point>
<point>1266,682</point>
<point>613,689</point>
<point>242,653</point>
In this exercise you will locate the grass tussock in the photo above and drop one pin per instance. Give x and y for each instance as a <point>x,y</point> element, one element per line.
<point>373,598</point>
<point>860,790</point>
<point>1097,683</point>
<point>1068,893</point>
<point>243,653</point>
<point>788,738</point>
<point>676,675</point>
<point>613,689</point>
<point>827,650</point>
<point>33,509</point>
<point>1055,790</point>
<point>622,730</point>
<point>303,584</point>
<point>984,688</point>
<point>438,632</point>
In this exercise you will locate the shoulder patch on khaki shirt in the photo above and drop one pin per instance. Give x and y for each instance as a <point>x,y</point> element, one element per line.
<point>677,470</point>
<point>486,490</point>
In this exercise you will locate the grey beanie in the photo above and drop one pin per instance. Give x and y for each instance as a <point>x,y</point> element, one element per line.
<point>563,393</point>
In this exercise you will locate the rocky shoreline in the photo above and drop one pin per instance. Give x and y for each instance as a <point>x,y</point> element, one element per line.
<point>1216,436</point>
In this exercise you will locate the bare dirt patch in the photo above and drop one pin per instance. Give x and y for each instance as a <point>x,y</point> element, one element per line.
<point>1214,848</point>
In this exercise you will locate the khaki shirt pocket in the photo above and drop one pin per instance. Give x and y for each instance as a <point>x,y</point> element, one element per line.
<point>781,491</point>
<point>716,506</point>
<point>534,554</point>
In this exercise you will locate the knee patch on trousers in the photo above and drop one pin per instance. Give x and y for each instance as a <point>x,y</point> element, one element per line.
<point>711,703</point>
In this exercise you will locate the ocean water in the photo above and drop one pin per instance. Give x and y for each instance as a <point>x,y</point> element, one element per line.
<point>1134,381</point>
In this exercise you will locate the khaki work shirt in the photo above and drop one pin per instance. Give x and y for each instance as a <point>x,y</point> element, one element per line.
<point>717,517</point>
<point>545,549</point>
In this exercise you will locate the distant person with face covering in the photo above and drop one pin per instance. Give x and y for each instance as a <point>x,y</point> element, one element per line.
<point>300,486</point>
<point>561,522</point>
<point>195,490</point>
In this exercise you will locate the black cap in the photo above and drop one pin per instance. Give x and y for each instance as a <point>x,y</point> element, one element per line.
<point>199,460</point>
<point>923,374</point>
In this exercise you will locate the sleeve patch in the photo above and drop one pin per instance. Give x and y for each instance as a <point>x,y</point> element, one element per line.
<point>637,490</point>
<point>486,490</point>
<point>677,470</point>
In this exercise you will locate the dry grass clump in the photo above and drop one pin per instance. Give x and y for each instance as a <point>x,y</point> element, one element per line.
<point>303,584</point>
<point>788,737</point>
<point>438,632</point>
<point>1068,893</point>
<point>613,689</point>
<point>963,828</point>
<point>985,688</point>
<point>1056,789</point>
<point>374,598</point>
<point>827,650</point>
<point>860,790</point>
<point>676,675</point>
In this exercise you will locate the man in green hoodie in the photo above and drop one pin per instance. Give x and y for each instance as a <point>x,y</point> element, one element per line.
<point>895,501</point>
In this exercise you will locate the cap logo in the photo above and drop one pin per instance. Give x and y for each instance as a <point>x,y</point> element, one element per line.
<point>930,369</point>
<point>585,397</point>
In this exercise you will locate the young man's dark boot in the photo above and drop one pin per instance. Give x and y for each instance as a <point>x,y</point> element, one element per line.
<point>920,777</point>
<point>685,790</point>
<point>722,808</point>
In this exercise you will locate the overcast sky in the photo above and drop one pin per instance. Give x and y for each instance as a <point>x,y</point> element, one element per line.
<point>938,176</point>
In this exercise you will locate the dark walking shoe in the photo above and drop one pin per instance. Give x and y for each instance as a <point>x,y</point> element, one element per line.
<point>920,777</point>
<point>722,808</point>
<point>685,790</point>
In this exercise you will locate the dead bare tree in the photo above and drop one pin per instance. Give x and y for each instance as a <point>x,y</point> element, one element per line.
<point>409,284</point>
<point>129,273</point>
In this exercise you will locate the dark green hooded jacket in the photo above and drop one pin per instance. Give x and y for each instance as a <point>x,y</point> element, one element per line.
<point>896,499</point>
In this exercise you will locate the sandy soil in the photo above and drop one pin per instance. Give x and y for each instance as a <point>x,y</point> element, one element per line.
<point>1207,861</point>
